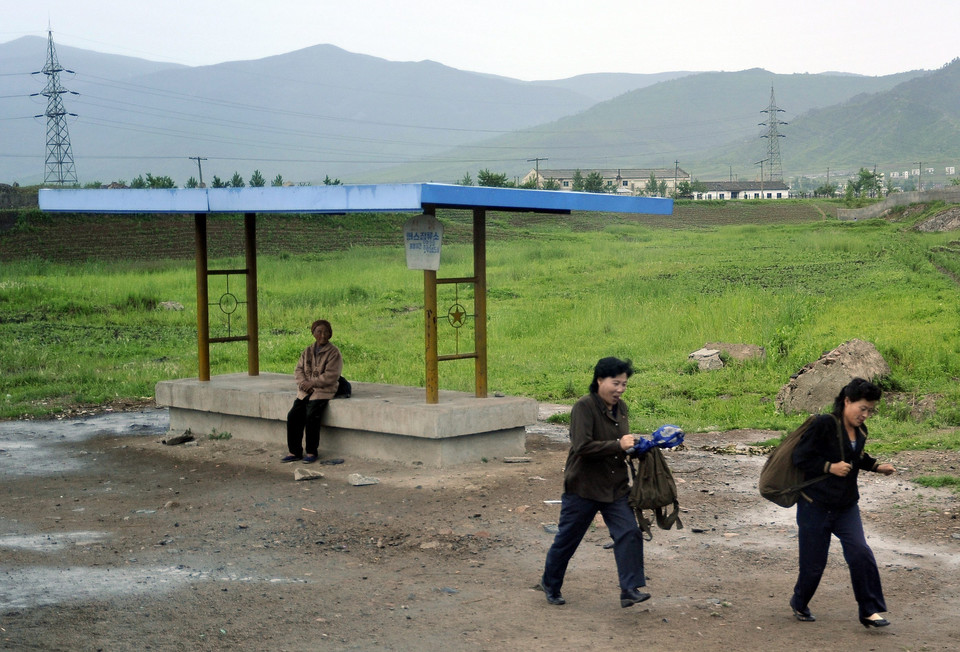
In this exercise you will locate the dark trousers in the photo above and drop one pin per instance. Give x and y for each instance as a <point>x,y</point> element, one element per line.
<point>304,417</point>
<point>576,515</point>
<point>816,525</point>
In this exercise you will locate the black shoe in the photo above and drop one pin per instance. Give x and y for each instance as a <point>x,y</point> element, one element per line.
<point>803,616</point>
<point>291,458</point>
<point>879,622</point>
<point>553,597</point>
<point>632,597</point>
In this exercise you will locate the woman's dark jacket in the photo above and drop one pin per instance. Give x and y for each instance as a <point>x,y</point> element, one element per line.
<point>596,468</point>
<point>822,446</point>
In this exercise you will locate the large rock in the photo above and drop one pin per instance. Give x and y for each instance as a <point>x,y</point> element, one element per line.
<point>707,359</point>
<point>817,384</point>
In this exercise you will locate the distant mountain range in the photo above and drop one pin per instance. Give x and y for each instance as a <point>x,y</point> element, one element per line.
<point>322,111</point>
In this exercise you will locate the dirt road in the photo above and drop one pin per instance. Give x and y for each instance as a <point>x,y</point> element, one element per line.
<point>110,540</point>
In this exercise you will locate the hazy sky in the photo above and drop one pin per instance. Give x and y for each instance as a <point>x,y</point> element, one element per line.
<point>524,39</point>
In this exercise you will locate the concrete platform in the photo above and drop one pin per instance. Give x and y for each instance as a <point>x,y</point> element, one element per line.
<point>381,422</point>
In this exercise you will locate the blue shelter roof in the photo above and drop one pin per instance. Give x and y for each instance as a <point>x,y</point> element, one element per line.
<point>389,198</point>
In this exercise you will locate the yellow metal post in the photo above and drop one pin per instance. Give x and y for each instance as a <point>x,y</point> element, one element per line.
<point>430,335</point>
<point>480,299</point>
<point>203,300</point>
<point>253,332</point>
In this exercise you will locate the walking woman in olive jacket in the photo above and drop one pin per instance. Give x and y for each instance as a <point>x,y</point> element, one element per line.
<point>829,507</point>
<point>595,480</point>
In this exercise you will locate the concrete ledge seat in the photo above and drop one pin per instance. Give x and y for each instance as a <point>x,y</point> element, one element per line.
<point>383,422</point>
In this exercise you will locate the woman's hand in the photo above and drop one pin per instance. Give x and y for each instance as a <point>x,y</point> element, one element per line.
<point>841,469</point>
<point>886,468</point>
<point>627,442</point>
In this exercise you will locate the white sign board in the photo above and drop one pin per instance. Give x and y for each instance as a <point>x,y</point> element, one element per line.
<point>423,236</point>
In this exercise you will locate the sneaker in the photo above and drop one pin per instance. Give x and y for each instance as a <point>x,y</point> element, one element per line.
<point>291,458</point>
<point>309,459</point>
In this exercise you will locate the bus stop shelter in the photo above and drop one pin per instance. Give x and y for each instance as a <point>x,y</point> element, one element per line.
<point>379,421</point>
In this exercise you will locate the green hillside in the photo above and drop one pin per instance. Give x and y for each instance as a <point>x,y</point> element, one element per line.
<point>917,121</point>
<point>692,120</point>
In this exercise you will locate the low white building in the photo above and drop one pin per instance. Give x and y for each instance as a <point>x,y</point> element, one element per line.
<point>632,181</point>
<point>743,190</point>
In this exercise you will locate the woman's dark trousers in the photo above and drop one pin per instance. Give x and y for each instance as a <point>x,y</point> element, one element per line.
<point>304,417</point>
<point>816,525</point>
<point>576,515</point>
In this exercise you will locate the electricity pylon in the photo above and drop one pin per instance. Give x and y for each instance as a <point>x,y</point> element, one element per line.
<point>59,163</point>
<point>774,167</point>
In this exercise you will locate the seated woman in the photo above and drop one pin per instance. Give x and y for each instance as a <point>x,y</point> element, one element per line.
<point>318,379</point>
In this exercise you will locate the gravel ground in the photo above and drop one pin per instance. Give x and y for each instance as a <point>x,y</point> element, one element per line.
<point>111,540</point>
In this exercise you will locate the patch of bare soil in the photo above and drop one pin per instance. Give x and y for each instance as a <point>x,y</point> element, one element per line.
<point>213,545</point>
<point>946,220</point>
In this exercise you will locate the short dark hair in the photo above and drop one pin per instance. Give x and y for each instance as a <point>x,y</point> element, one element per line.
<point>322,322</point>
<point>857,389</point>
<point>608,368</point>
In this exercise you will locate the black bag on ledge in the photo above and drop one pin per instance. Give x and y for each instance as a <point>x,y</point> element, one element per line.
<point>344,390</point>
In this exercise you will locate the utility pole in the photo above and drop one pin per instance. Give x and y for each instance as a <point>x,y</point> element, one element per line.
<point>59,162</point>
<point>676,172</point>
<point>199,169</point>
<point>760,163</point>
<point>537,160</point>
<point>920,176</point>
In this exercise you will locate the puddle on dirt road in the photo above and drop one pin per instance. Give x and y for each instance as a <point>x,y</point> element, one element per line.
<point>29,448</point>
<point>26,587</point>
<point>38,586</point>
<point>50,542</point>
<point>35,448</point>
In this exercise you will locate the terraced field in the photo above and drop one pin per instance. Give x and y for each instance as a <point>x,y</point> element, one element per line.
<point>74,237</point>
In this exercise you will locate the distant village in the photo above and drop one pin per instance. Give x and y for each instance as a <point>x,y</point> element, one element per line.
<point>677,182</point>
<point>663,182</point>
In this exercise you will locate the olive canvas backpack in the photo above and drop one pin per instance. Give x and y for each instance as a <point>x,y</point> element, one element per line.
<point>780,481</point>
<point>653,488</point>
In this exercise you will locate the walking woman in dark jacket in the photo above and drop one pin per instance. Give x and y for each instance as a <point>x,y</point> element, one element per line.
<point>834,446</point>
<point>595,480</point>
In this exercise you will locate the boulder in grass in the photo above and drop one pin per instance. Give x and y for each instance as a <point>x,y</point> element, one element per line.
<point>707,359</point>
<point>814,387</point>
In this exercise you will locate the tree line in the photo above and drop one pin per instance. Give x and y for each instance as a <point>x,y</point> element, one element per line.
<point>591,182</point>
<point>256,180</point>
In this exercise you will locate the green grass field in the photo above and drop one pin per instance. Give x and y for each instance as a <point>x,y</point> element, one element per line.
<point>563,292</point>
